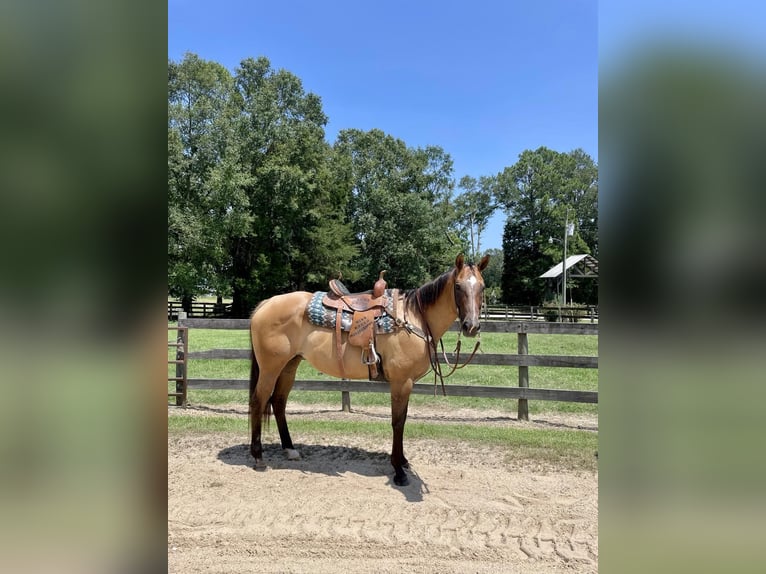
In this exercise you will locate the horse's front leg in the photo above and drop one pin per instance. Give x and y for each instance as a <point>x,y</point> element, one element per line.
<point>400,398</point>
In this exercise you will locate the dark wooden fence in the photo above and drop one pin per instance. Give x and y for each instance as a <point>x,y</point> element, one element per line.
<point>207,310</point>
<point>201,309</point>
<point>522,359</point>
<point>570,313</point>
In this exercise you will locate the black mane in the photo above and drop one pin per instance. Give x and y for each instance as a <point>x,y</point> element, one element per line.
<point>428,293</point>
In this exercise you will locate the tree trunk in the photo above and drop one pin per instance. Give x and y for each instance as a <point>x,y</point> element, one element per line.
<point>240,306</point>
<point>186,303</point>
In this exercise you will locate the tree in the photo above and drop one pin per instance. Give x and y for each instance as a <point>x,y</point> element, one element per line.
<point>398,207</point>
<point>255,205</point>
<point>541,192</point>
<point>474,207</point>
<point>259,203</point>
<point>281,137</point>
<point>203,179</point>
<point>493,276</point>
<point>328,247</point>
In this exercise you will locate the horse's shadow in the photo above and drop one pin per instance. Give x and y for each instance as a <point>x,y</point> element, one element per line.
<point>330,461</point>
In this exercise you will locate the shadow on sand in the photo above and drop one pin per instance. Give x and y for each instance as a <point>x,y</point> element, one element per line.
<point>330,461</point>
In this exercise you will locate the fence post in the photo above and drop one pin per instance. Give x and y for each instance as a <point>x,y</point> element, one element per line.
<point>346,401</point>
<point>523,349</point>
<point>181,356</point>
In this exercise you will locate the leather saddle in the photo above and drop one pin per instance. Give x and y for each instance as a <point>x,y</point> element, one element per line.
<point>365,308</point>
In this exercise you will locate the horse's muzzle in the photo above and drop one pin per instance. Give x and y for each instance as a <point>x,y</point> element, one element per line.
<point>471,327</point>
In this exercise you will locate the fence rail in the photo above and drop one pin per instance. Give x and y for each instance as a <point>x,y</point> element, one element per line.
<point>523,360</point>
<point>344,385</point>
<point>537,327</point>
<point>569,313</point>
<point>479,359</point>
<point>199,309</point>
<point>202,309</point>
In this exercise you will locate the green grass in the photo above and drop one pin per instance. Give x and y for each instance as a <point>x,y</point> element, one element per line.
<point>540,377</point>
<point>570,447</point>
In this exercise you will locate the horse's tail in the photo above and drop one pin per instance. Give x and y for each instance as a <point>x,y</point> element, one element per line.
<point>255,372</point>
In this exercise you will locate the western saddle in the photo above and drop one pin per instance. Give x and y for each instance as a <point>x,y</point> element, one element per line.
<point>365,308</point>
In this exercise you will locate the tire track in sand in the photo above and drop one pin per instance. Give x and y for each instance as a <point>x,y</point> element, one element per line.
<point>338,500</point>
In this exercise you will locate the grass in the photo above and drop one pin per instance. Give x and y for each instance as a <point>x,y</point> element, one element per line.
<point>571,448</point>
<point>540,377</point>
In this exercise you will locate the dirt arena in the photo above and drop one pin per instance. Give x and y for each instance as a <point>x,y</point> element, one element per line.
<point>467,509</point>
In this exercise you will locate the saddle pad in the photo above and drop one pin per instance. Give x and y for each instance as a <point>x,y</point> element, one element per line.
<point>322,316</point>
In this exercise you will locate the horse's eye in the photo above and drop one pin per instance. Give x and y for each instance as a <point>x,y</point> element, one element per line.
<point>457,286</point>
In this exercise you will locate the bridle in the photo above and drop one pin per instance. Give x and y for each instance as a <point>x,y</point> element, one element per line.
<point>433,354</point>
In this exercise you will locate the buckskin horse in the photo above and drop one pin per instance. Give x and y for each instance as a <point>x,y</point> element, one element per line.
<point>283,335</point>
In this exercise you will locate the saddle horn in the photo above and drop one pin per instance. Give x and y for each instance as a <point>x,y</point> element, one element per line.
<point>380,285</point>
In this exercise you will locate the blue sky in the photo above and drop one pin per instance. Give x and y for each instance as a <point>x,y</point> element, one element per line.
<point>483,80</point>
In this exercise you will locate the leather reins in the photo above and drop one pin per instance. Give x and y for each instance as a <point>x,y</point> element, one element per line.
<point>433,354</point>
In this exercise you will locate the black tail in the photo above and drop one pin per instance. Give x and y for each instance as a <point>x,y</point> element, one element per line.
<point>254,373</point>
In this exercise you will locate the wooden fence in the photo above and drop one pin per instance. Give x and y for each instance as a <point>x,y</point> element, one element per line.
<point>522,359</point>
<point>181,345</point>
<point>205,310</point>
<point>199,309</point>
<point>570,313</point>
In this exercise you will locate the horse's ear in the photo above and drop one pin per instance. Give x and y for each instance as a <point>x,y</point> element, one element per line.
<point>459,262</point>
<point>483,263</point>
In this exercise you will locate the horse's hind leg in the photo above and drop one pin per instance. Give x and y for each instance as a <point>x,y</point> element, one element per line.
<point>259,402</point>
<point>279,404</point>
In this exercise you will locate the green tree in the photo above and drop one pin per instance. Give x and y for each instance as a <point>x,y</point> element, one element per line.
<point>281,138</point>
<point>203,178</point>
<point>493,276</point>
<point>398,208</point>
<point>541,192</point>
<point>257,204</point>
<point>327,248</point>
<point>474,208</point>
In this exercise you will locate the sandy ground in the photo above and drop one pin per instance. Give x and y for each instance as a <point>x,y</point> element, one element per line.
<point>467,508</point>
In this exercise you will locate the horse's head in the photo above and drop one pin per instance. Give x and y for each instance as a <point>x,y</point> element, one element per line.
<point>469,287</point>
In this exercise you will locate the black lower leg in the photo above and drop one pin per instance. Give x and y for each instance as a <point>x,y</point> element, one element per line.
<point>397,457</point>
<point>256,449</point>
<point>279,406</point>
<point>399,402</point>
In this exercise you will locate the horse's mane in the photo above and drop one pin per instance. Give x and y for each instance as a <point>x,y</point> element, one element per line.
<point>428,293</point>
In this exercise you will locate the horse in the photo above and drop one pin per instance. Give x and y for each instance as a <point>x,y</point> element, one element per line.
<point>282,337</point>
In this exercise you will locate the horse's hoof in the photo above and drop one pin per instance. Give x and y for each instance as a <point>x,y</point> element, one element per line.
<point>401,480</point>
<point>259,464</point>
<point>292,454</point>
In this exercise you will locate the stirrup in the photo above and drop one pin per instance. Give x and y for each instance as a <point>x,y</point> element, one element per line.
<point>369,356</point>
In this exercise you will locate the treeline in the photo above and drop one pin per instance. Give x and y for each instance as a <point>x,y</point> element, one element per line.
<point>260,203</point>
